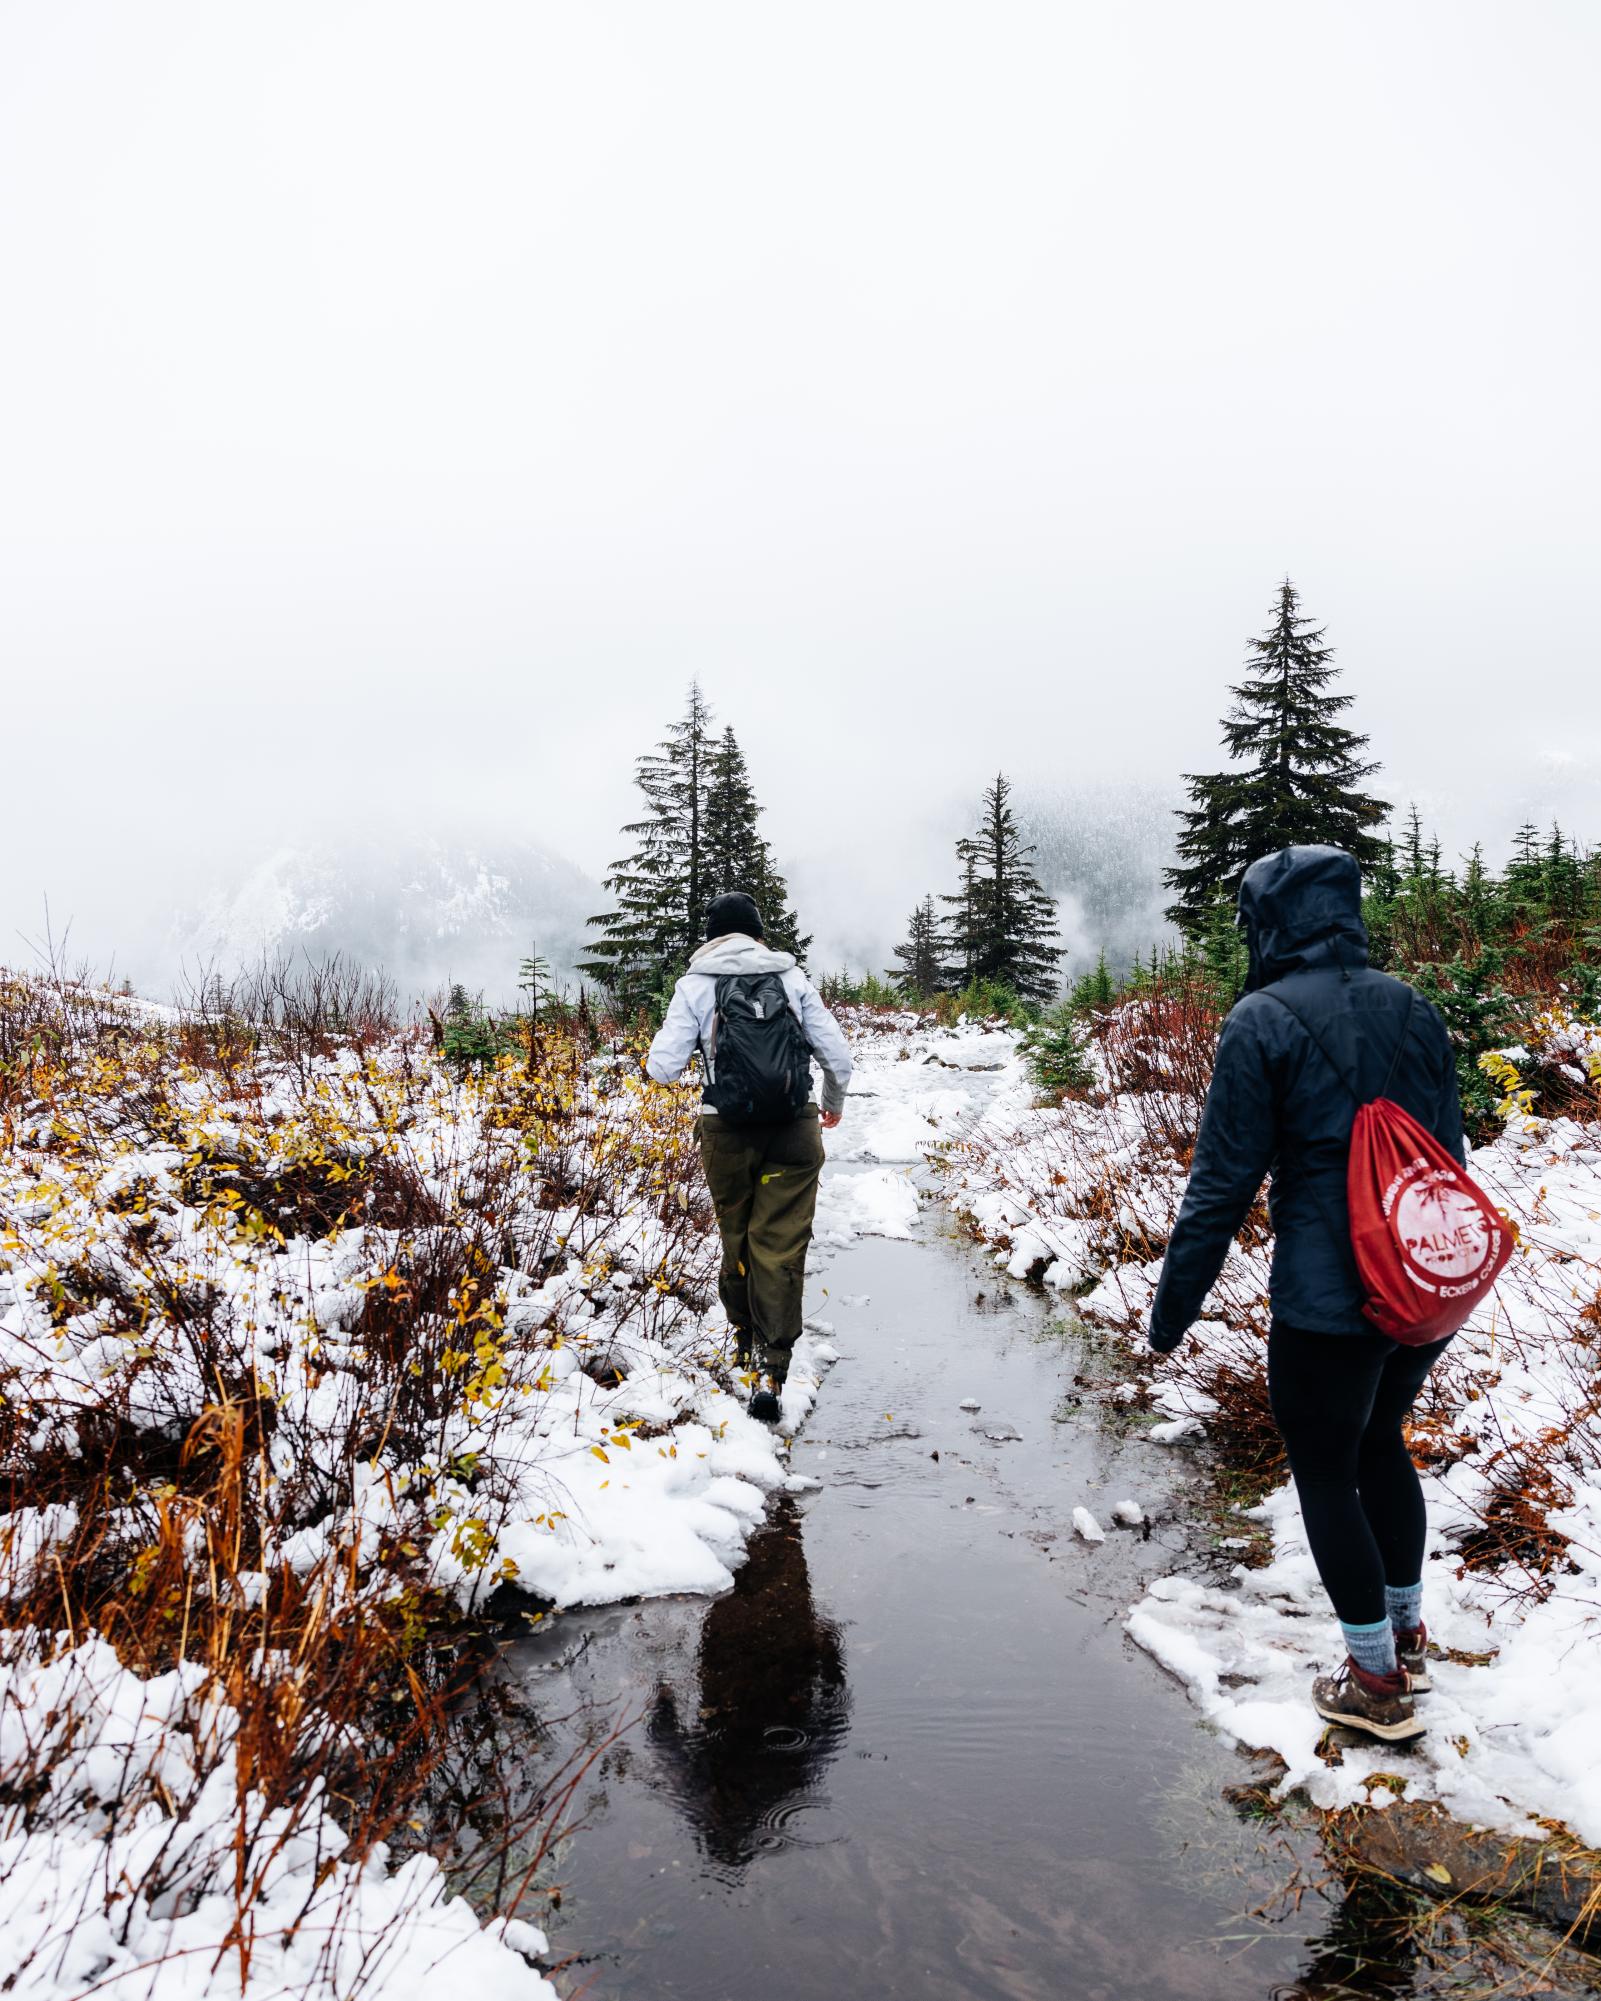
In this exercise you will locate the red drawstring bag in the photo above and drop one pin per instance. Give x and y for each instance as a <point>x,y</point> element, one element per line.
<point>1426,1240</point>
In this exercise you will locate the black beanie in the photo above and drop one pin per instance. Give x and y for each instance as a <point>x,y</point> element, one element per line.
<point>733,911</point>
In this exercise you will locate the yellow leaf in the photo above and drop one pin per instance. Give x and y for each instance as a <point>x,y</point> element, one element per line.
<point>1437,1872</point>
<point>599,1454</point>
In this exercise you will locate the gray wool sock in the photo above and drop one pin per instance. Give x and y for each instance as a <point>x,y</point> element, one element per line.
<point>1371,1647</point>
<point>1404,1603</point>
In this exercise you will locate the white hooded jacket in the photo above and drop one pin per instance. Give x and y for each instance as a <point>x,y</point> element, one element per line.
<point>688,1025</point>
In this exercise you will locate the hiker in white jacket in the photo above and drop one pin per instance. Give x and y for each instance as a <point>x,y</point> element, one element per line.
<point>760,1136</point>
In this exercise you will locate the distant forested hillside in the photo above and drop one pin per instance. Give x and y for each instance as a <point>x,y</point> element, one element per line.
<point>1102,847</point>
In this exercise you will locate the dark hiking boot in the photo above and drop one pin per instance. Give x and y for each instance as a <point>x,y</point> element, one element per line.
<point>765,1406</point>
<point>1412,1654</point>
<point>1379,1705</point>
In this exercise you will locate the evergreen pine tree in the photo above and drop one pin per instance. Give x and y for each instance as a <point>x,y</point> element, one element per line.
<point>1523,884</point>
<point>1094,991</point>
<point>1005,925</point>
<point>533,979</point>
<point>731,815</point>
<point>699,836</point>
<point>1414,854</point>
<point>1478,1011</point>
<point>737,857</point>
<point>1478,902</point>
<point>470,1039</point>
<point>1224,953</point>
<point>921,969</point>
<point>1525,847</point>
<point>1383,877</point>
<point>1296,776</point>
<point>660,890</point>
<point>1563,878</point>
<point>962,934</point>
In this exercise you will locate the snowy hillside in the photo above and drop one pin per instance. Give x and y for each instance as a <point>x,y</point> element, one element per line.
<point>426,910</point>
<point>1100,851</point>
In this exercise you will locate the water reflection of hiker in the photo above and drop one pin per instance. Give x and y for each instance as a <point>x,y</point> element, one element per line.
<point>1340,1390</point>
<point>773,1703</point>
<point>758,1022</point>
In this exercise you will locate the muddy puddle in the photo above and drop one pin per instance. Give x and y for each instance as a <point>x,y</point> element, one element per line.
<point>913,1753</point>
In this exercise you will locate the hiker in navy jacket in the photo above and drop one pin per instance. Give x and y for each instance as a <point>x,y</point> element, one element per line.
<point>1317,1032</point>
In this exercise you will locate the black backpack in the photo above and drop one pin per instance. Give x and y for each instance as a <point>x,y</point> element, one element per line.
<point>761,1062</point>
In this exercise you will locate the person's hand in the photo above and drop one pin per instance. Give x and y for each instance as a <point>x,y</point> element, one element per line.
<point>832,1119</point>
<point>1161,1340</point>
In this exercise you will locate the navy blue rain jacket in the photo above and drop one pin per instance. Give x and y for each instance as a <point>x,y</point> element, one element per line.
<point>1278,1102</point>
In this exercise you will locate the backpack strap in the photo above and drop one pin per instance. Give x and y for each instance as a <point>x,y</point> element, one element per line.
<point>1406,1030</point>
<point>708,1048</point>
<point>1322,1047</point>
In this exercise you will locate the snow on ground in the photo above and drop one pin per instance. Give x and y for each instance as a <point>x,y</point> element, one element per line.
<point>558,1378</point>
<point>1086,1194</point>
<point>554,1412</point>
<point>915,1086</point>
<point>139,1780</point>
<point>594,1445</point>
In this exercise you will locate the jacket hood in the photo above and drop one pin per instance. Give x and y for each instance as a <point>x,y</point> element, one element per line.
<point>1300,908</point>
<point>734,952</point>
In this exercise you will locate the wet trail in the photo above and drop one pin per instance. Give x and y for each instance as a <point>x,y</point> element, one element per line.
<point>912,1753</point>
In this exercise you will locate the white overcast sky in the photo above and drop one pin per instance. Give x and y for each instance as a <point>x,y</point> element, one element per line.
<point>399,403</point>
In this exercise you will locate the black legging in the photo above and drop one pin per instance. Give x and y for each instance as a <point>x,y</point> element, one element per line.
<point>1339,1401</point>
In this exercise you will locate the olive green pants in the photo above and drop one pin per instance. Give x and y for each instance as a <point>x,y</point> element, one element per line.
<point>763,1181</point>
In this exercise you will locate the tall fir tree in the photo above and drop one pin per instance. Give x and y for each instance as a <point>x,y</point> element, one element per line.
<point>732,836</point>
<point>1004,924</point>
<point>1382,878</point>
<point>1414,851</point>
<point>1477,896</point>
<point>699,835</point>
<point>1296,777</point>
<point>921,967</point>
<point>660,890</point>
<point>1523,885</point>
<point>962,937</point>
<point>1563,877</point>
<point>737,856</point>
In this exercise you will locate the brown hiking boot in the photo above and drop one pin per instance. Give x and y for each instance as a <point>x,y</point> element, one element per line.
<point>1379,1705</point>
<point>1412,1654</point>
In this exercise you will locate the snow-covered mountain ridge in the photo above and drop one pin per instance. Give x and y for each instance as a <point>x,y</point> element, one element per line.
<point>426,910</point>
